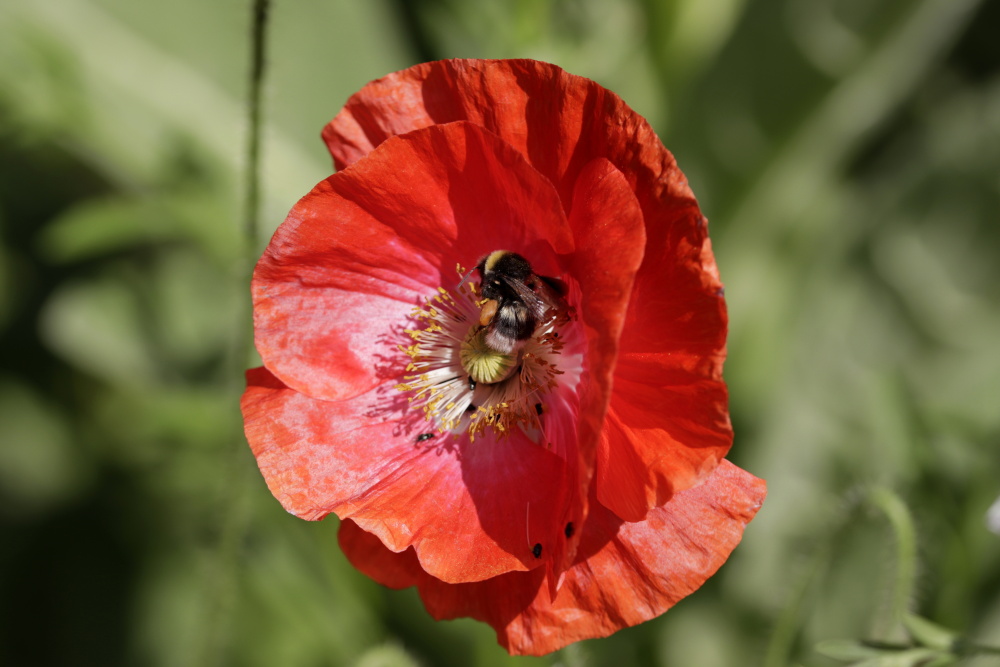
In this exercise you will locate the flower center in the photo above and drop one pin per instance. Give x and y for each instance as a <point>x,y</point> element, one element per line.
<point>462,382</point>
<point>482,362</point>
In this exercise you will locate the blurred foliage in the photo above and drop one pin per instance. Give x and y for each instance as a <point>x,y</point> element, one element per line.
<point>846,151</point>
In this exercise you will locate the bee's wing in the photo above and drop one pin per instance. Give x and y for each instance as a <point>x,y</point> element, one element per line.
<point>558,287</point>
<point>538,302</point>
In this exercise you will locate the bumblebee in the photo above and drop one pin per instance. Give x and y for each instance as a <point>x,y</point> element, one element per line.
<point>515,300</point>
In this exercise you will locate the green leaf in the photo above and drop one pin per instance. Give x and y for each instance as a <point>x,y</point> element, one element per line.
<point>929,634</point>
<point>847,649</point>
<point>95,325</point>
<point>100,226</point>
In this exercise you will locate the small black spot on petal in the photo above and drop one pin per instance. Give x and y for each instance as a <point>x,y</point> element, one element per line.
<point>538,409</point>
<point>424,436</point>
<point>537,550</point>
<point>569,530</point>
<point>472,407</point>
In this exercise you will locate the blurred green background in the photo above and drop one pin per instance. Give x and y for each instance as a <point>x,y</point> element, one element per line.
<point>847,153</point>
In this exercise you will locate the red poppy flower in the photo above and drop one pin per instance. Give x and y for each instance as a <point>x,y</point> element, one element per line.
<point>546,456</point>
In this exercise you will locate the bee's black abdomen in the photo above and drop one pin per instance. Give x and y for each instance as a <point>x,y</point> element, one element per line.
<point>515,321</point>
<point>511,324</point>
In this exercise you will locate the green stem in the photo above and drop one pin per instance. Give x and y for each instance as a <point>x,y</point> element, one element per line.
<point>895,510</point>
<point>261,9</point>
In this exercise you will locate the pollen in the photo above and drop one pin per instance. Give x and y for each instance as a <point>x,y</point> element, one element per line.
<point>461,384</point>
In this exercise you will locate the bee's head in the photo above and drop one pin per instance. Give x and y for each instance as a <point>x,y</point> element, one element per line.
<point>497,269</point>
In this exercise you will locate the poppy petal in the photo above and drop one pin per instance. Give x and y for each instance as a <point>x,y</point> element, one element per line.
<point>625,573</point>
<point>671,354</point>
<point>338,282</point>
<point>643,458</point>
<point>367,553</point>
<point>558,120</point>
<point>471,510</point>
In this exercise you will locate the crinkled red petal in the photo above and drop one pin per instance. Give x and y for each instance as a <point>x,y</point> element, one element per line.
<point>625,573</point>
<point>668,425</point>
<point>367,553</point>
<point>665,455</point>
<point>336,286</point>
<point>461,505</point>
<point>676,319</point>
<point>558,121</point>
